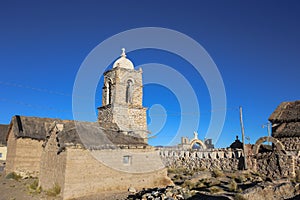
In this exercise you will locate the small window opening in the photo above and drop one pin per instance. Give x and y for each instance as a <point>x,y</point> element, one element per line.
<point>127,160</point>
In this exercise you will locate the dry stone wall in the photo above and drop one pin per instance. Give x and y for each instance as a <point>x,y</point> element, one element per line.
<point>290,143</point>
<point>275,165</point>
<point>223,159</point>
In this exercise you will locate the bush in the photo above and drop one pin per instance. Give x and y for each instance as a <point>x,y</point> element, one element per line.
<point>14,176</point>
<point>54,191</point>
<point>247,175</point>
<point>189,184</point>
<point>215,189</point>
<point>200,185</point>
<point>239,197</point>
<point>34,187</point>
<point>240,179</point>
<point>232,186</point>
<point>217,173</point>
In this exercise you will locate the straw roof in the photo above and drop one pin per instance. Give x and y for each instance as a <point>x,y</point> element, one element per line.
<point>291,129</point>
<point>286,120</point>
<point>286,112</point>
<point>31,127</point>
<point>87,134</point>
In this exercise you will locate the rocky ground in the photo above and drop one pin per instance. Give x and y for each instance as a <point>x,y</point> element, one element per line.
<point>221,185</point>
<point>187,185</point>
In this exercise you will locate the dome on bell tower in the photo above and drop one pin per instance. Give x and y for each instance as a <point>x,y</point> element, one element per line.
<point>123,62</point>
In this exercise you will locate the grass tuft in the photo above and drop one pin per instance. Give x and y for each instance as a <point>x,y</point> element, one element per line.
<point>239,197</point>
<point>14,176</point>
<point>215,189</point>
<point>34,187</point>
<point>54,191</point>
<point>217,173</point>
<point>232,186</point>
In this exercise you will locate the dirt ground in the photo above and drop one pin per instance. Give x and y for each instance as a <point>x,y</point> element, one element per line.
<point>11,189</point>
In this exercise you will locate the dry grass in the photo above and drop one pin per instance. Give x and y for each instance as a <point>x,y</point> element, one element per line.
<point>14,176</point>
<point>189,184</point>
<point>54,191</point>
<point>215,189</point>
<point>34,187</point>
<point>239,197</point>
<point>217,173</point>
<point>232,186</point>
<point>240,179</point>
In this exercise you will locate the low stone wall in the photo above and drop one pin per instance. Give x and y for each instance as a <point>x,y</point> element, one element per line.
<point>223,159</point>
<point>290,143</point>
<point>275,165</point>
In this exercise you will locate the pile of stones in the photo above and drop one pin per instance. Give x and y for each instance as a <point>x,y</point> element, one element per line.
<point>168,193</point>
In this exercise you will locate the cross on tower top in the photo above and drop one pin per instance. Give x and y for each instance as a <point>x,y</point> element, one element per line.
<point>123,52</point>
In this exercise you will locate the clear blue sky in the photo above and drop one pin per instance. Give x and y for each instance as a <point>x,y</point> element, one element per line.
<point>255,45</point>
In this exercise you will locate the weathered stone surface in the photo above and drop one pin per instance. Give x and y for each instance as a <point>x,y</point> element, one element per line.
<point>130,116</point>
<point>270,191</point>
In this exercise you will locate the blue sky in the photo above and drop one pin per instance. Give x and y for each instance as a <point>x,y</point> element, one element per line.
<point>255,45</point>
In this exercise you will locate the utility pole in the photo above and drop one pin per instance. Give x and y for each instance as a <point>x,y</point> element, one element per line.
<point>268,125</point>
<point>243,137</point>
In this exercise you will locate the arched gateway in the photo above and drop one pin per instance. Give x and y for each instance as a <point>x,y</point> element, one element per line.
<point>277,143</point>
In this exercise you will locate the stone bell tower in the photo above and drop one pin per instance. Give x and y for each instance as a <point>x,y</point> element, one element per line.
<point>122,99</point>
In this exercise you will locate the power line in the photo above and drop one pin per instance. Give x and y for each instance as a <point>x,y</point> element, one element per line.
<point>41,90</point>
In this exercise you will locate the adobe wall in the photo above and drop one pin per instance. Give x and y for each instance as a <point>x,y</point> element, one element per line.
<point>23,156</point>
<point>52,167</point>
<point>11,153</point>
<point>85,175</point>
<point>3,151</point>
<point>223,159</point>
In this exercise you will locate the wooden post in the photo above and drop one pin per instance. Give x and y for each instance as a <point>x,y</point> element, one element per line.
<point>243,137</point>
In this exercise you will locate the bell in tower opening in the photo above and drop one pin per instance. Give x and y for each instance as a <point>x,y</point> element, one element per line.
<point>122,99</point>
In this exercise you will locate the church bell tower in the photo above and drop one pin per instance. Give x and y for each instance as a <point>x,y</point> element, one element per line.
<point>122,99</point>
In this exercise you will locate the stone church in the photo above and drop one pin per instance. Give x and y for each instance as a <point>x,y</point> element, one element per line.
<point>122,99</point>
<point>85,158</point>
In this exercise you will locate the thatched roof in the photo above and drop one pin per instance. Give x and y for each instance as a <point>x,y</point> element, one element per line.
<point>286,112</point>
<point>91,136</point>
<point>31,127</point>
<point>291,129</point>
<point>3,134</point>
<point>87,134</point>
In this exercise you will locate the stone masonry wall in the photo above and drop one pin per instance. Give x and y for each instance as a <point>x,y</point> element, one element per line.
<point>290,143</point>
<point>122,76</point>
<point>130,117</point>
<point>223,159</point>
<point>275,165</point>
